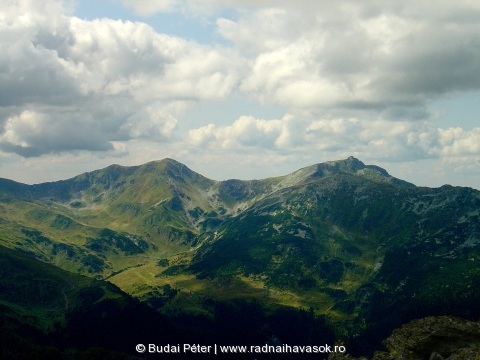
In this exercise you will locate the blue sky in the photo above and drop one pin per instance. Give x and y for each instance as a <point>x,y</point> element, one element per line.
<point>189,26</point>
<point>240,89</point>
<point>458,110</point>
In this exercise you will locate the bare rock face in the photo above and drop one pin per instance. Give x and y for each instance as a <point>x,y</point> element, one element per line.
<point>431,338</point>
<point>434,338</point>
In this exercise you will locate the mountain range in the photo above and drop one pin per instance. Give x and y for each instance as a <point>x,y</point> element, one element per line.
<point>342,245</point>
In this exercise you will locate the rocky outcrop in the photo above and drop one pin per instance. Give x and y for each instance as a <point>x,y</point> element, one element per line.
<point>431,338</point>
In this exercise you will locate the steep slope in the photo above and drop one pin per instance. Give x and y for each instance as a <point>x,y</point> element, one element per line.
<point>319,214</point>
<point>343,238</point>
<point>138,196</point>
<point>109,219</point>
<point>46,312</point>
<point>119,193</point>
<point>358,244</point>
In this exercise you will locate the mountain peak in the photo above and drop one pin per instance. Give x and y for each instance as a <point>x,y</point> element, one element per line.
<point>354,166</point>
<point>351,164</point>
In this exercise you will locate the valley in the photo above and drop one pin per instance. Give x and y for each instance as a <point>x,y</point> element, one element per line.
<point>340,245</point>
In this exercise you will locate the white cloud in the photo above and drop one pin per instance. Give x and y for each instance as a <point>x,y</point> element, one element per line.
<point>114,57</point>
<point>458,142</point>
<point>352,78</point>
<point>247,132</point>
<point>32,133</point>
<point>379,139</point>
<point>91,83</point>
<point>390,57</point>
<point>151,123</point>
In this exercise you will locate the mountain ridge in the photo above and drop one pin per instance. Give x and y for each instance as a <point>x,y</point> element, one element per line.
<point>175,168</point>
<point>347,240</point>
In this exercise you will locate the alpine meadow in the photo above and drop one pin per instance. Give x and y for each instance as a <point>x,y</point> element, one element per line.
<point>334,252</point>
<point>246,179</point>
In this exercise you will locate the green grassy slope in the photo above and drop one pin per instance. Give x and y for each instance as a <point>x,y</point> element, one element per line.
<point>51,313</point>
<point>343,238</point>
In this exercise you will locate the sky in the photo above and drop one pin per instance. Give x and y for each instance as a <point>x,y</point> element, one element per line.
<point>240,89</point>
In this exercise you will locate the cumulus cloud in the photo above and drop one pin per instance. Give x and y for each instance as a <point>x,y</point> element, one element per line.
<point>33,133</point>
<point>351,78</point>
<point>379,139</point>
<point>150,123</point>
<point>389,59</point>
<point>247,132</point>
<point>458,142</point>
<point>367,56</point>
<point>72,84</point>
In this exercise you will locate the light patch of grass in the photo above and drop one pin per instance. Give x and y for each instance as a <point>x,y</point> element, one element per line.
<point>192,291</point>
<point>144,274</point>
<point>316,300</point>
